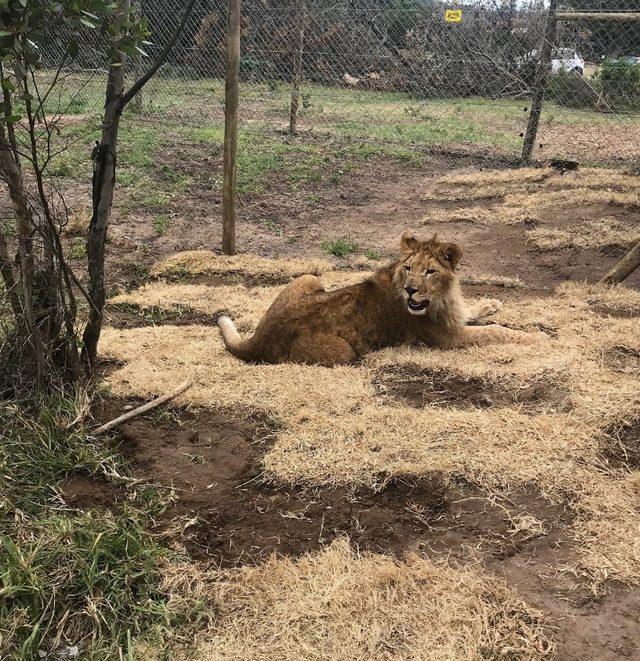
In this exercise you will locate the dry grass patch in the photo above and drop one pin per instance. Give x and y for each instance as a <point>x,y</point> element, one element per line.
<point>338,604</point>
<point>232,299</point>
<point>602,233</point>
<point>337,430</point>
<point>158,357</point>
<point>78,222</point>
<point>518,196</point>
<point>492,177</point>
<point>204,262</point>
<point>246,305</point>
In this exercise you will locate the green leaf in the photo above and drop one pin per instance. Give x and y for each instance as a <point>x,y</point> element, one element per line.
<point>5,33</point>
<point>141,51</point>
<point>12,119</point>
<point>88,23</point>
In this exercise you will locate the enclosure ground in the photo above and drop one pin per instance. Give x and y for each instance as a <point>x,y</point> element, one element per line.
<point>564,226</point>
<point>454,475</point>
<point>224,513</point>
<point>515,464</point>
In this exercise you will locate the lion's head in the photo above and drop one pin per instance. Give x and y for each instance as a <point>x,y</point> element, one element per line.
<point>426,270</point>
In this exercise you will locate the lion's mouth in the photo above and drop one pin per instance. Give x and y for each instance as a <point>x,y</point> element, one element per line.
<point>417,306</point>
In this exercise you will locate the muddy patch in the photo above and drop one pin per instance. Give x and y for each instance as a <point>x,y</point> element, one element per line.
<point>225,514</point>
<point>622,359</point>
<point>87,493</point>
<point>621,448</point>
<point>618,313</point>
<point>416,386</point>
<point>224,511</point>
<point>132,316</point>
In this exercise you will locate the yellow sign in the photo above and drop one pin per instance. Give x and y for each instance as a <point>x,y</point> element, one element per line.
<point>453,15</point>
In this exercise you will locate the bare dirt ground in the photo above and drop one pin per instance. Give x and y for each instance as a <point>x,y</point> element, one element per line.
<point>373,208</point>
<point>229,510</point>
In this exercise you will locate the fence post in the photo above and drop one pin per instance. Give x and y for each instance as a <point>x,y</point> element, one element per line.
<point>297,70</point>
<point>231,128</point>
<point>540,85</point>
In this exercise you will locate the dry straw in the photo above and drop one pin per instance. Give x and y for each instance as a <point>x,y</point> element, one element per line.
<point>205,262</point>
<point>515,196</point>
<point>601,233</point>
<point>337,429</point>
<point>338,604</point>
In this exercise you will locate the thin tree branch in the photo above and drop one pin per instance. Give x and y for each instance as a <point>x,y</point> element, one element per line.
<point>142,81</point>
<point>185,385</point>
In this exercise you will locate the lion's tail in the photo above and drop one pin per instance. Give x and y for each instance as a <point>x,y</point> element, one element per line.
<point>232,340</point>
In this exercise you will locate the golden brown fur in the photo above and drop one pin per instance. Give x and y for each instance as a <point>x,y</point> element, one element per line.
<point>415,299</point>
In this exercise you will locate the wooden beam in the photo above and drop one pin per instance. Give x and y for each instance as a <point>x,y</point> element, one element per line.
<point>231,129</point>
<point>598,16</point>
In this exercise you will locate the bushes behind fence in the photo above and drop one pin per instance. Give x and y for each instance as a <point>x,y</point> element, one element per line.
<point>614,88</point>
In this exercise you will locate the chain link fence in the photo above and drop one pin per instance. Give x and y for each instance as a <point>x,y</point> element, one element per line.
<point>401,76</point>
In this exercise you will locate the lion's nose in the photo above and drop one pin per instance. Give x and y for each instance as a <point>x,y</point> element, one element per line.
<point>410,290</point>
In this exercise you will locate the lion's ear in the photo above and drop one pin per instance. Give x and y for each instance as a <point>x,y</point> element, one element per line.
<point>451,253</point>
<point>408,242</point>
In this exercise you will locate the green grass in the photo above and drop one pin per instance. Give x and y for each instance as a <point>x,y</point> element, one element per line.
<point>339,247</point>
<point>273,225</point>
<point>78,248</point>
<point>349,127</point>
<point>161,223</point>
<point>372,254</point>
<point>92,577</point>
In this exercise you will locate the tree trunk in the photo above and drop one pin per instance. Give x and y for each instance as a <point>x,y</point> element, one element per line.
<point>297,71</point>
<point>624,268</point>
<point>8,277</point>
<point>540,84</point>
<point>25,227</point>
<point>231,129</point>
<point>104,175</point>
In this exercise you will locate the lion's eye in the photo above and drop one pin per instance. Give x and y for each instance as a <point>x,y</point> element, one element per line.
<point>407,268</point>
<point>430,271</point>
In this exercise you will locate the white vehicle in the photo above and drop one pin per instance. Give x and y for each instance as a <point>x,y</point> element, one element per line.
<point>566,59</point>
<point>562,59</point>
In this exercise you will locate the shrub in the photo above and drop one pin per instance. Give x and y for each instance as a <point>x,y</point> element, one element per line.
<point>573,90</point>
<point>620,85</point>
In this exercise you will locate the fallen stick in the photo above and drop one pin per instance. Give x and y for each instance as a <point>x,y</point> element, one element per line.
<point>185,385</point>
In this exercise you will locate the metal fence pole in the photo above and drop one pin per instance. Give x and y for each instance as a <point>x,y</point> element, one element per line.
<point>231,128</point>
<point>540,85</point>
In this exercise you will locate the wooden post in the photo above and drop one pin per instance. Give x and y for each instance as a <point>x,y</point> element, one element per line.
<point>297,70</point>
<point>231,128</point>
<point>598,16</point>
<point>624,268</point>
<point>540,85</point>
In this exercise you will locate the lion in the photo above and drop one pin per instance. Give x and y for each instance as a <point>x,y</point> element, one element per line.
<point>416,299</point>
